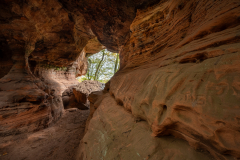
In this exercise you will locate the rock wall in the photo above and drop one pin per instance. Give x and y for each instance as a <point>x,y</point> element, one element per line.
<point>44,30</point>
<point>109,20</point>
<point>37,40</point>
<point>58,78</point>
<point>179,76</point>
<point>176,95</point>
<point>26,103</point>
<point>114,133</point>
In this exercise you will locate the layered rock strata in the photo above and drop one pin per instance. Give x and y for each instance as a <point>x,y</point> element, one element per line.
<point>77,96</point>
<point>109,20</point>
<point>26,103</point>
<point>178,82</point>
<point>179,76</point>
<point>114,133</point>
<point>41,53</point>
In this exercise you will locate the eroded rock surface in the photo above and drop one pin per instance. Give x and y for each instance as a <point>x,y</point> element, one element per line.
<point>26,103</point>
<point>58,142</point>
<point>180,75</point>
<point>114,133</point>
<point>77,96</point>
<point>176,95</point>
<point>42,50</point>
<point>44,29</point>
<point>109,20</point>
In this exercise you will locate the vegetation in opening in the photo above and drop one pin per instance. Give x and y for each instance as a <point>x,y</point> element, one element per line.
<point>101,66</point>
<point>49,66</point>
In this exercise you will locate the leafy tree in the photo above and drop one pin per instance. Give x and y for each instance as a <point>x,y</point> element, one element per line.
<point>101,66</point>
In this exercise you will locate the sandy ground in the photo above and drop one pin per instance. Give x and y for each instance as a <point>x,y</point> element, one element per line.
<point>58,142</point>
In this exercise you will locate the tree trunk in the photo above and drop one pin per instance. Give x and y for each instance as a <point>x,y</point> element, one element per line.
<point>116,64</point>
<point>96,73</point>
<point>88,72</point>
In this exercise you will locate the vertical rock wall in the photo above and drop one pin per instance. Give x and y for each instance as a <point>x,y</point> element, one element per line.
<point>179,77</point>
<point>37,32</point>
<point>25,105</point>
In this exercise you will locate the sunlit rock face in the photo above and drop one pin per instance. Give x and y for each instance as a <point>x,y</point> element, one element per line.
<point>179,76</point>
<point>114,133</point>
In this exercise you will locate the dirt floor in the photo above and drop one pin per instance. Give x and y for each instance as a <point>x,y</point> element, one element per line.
<point>58,142</point>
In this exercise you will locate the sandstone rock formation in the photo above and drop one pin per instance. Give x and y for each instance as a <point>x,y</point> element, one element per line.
<point>180,76</point>
<point>76,96</point>
<point>113,133</point>
<point>24,106</point>
<point>41,52</point>
<point>60,141</point>
<point>109,20</point>
<point>176,95</point>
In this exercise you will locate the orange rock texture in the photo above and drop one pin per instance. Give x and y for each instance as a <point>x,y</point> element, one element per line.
<point>42,50</point>
<point>179,76</point>
<point>176,95</point>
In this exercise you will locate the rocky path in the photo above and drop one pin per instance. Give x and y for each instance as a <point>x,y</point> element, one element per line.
<point>58,142</point>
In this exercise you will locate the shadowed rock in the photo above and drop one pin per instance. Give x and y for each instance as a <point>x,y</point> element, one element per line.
<point>77,96</point>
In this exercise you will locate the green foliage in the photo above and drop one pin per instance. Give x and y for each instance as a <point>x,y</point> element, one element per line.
<point>101,66</point>
<point>64,68</point>
<point>49,66</point>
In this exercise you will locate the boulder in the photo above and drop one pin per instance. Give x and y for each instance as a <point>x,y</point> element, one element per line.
<point>77,96</point>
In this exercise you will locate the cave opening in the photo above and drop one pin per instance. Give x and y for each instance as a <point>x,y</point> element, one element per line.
<point>175,96</point>
<point>101,66</point>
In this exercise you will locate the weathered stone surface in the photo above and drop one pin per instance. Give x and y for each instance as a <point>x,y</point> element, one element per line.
<point>80,96</point>
<point>58,78</point>
<point>5,59</point>
<point>113,133</point>
<point>70,100</point>
<point>34,35</point>
<point>24,106</point>
<point>95,99</point>
<point>54,35</point>
<point>180,75</point>
<point>89,86</point>
<point>93,46</point>
<point>109,20</point>
<point>77,96</point>
<point>60,141</point>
